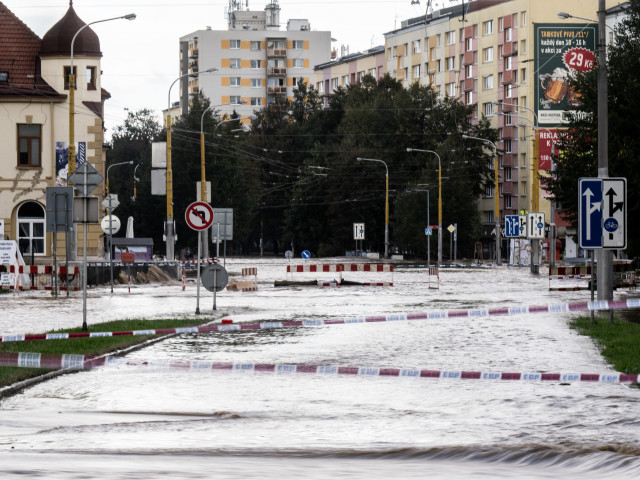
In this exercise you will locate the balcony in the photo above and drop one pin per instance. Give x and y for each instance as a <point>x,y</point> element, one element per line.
<point>276,90</point>
<point>277,52</point>
<point>277,71</point>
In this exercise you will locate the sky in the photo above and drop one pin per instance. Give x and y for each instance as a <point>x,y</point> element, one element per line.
<point>141,57</point>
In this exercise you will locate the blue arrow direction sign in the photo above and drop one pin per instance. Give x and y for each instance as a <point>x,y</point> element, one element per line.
<point>590,213</point>
<point>511,226</point>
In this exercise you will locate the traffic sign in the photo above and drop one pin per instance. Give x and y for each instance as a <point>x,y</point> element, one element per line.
<point>428,231</point>
<point>451,228</point>
<point>215,277</point>
<point>110,224</point>
<point>602,213</point>
<point>306,254</point>
<point>358,231</point>
<point>535,225</point>
<point>110,202</point>
<point>86,178</point>
<point>511,226</point>
<point>288,254</point>
<point>522,225</point>
<point>199,216</point>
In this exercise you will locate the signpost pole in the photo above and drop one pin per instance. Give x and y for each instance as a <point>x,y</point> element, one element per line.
<point>198,279</point>
<point>110,244</point>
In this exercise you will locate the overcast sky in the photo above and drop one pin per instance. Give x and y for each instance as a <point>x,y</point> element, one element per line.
<point>141,57</point>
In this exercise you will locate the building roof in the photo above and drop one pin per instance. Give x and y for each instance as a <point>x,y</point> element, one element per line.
<point>57,41</point>
<point>19,61</point>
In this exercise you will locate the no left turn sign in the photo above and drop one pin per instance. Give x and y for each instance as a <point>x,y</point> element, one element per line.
<point>199,216</point>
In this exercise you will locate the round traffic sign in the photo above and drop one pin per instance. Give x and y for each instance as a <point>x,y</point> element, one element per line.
<point>215,277</point>
<point>306,254</point>
<point>288,254</point>
<point>199,216</point>
<point>110,227</point>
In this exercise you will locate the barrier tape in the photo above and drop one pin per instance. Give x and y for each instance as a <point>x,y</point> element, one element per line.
<point>599,305</point>
<point>41,269</point>
<point>38,360</point>
<point>364,284</point>
<point>21,288</point>
<point>341,267</point>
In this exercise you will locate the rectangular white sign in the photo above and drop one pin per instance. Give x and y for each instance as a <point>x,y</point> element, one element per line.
<point>358,231</point>
<point>8,250</point>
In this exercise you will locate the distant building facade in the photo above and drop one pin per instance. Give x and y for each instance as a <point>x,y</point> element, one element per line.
<point>256,62</point>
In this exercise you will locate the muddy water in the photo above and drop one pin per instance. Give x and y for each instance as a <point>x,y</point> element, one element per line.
<point>137,422</point>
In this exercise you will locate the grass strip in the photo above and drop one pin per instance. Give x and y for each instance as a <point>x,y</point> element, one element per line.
<point>619,343</point>
<point>85,346</point>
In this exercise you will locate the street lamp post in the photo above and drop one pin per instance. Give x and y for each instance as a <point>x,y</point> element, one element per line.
<point>496,193</point>
<point>203,181</point>
<point>439,199</point>
<point>169,232</point>
<point>604,256</point>
<point>71,152</point>
<point>386,204</point>
<point>130,162</point>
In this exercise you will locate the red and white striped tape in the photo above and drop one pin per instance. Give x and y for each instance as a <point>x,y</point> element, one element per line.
<point>341,267</point>
<point>364,284</point>
<point>49,287</point>
<point>601,305</point>
<point>202,260</point>
<point>56,361</point>
<point>41,269</point>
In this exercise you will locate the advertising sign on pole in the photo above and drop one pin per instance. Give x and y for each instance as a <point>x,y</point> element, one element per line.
<point>560,50</point>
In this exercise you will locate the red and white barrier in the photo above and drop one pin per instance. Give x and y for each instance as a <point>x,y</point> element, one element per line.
<point>57,361</point>
<point>363,284</point>
<point>601,305</point>
<point>42,270</point>
<point>341,267</point>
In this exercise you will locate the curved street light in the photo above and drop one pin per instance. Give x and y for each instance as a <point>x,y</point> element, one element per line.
<point>169,232</point>
<point>386,204</point>
<point>497,191</point>
<point>439,199</point>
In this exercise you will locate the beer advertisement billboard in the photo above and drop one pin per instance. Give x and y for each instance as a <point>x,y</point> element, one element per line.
<point>561,50</point>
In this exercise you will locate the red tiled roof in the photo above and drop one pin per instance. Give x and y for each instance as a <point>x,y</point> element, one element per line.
<point>19,48</point>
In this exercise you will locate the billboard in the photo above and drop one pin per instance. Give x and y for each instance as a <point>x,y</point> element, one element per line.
<point>560,50</point>
<point>62,159</point>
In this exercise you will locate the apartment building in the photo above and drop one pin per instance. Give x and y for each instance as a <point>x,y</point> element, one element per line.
<point>507,59</point>
<point>349,69</point>
<point>256,61</point>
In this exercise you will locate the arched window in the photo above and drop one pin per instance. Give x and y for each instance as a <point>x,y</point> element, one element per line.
<point>31,228</point>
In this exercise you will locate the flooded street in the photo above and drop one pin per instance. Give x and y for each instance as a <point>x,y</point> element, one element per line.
<point>139,422</point>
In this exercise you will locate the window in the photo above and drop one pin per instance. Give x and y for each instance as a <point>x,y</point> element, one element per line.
<point>507,201</point>
<point>523,75</point>
<point>438,66</point>
<point>255,45</point>
<point>334,83</point>
<point>389,54</point>
<point>256,82</point>
<point>487,27</point>
<point>468,98</point>
<point>508,63</point>
<point>487,82</point>
<point>488,216</point>
<point>256,64</point>
<point>234,44</point>
<point>234,63</point>
<point>234,99</point>
<point>450,63</point>
<point>395,52</point>
<point>468,44</point>
<point>297,81</point>
<point>507,119</point>
<point>451,89</point>
<point>508,34</point>
<point>500,24</point>
<point>450,37</point>
<point>31,228</point>
<point>298,63</point>
<point>256,101</point>
<point>468,71</point>
<point>508,91</point>
<point>29,145</point>
<point>361,75</point>
<point>439,40</point>
<point>298,45</point>
<point>487,54</point>
<point>416,71</point>
<point>507,145</point>
<point>345,80</point>
<point>91,78</point>
<point>489,191</point>
<point>515,189</point>
<point>523,17</point>
<point>320,87</point>
<point>523,47</point>
<point>234,81</point>
<point>507,174</point>
<point>67,71</point>
<point>515,19</point>
<point>523,188</point>
<point>432,53</point>
<point>416,46</point>
<point>488,109</point>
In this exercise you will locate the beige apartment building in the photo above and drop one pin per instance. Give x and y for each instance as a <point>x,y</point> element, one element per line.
<point>256,62</point>
<point>508,60</point>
